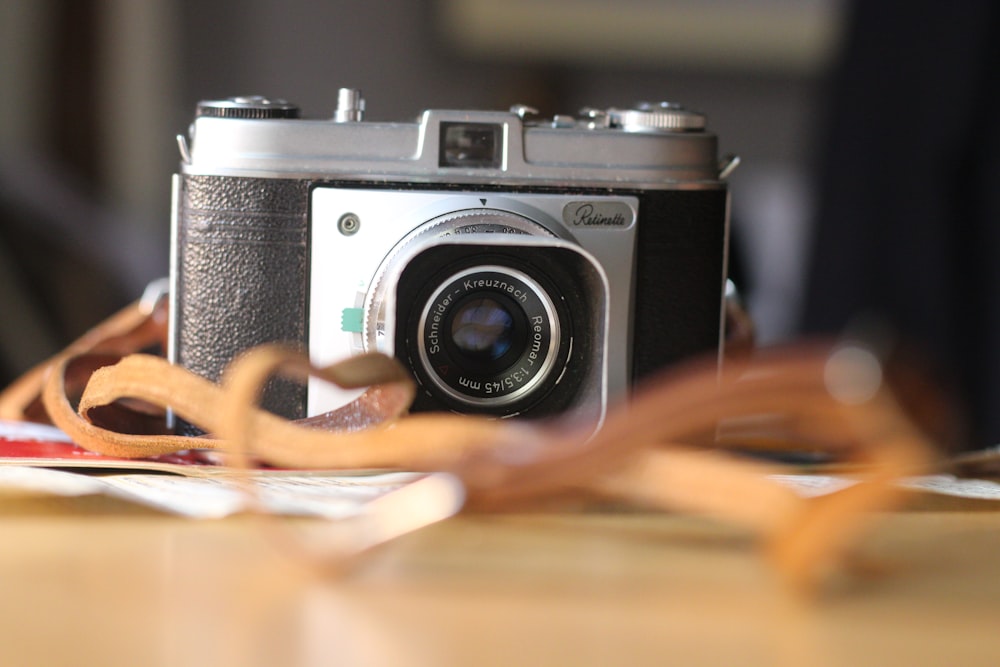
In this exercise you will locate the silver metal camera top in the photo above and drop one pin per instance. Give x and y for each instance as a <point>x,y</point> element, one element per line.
<point>650,146</point>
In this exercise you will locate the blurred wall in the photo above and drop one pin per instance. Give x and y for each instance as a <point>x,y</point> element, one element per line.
<point>98,89</point>
<point>756,68</point>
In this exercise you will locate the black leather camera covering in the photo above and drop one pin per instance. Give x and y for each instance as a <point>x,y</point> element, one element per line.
<point>680,262</point>
<point>243,260</point>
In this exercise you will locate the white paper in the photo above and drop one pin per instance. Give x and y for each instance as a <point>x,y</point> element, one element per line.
<point>53,482</point>
<point>950,485</point>
<point>339,496</point>
<point>809,486</point>
<point>328,496</point>
<point>28,431</point>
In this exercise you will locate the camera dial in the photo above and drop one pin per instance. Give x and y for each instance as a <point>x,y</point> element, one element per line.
<point>247,107</point>
<point>658,117</point>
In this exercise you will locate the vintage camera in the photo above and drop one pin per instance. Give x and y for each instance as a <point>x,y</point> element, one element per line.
<point>518,266</point>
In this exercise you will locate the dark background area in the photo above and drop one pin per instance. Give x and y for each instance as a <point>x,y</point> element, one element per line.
<point>857,126</point>
<point>97,90</point>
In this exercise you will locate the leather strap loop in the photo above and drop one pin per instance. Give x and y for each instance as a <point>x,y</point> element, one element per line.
<point>636,456</point>
<point>136,327</point>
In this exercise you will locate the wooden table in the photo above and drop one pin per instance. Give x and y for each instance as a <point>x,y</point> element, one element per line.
<point>93,581</point>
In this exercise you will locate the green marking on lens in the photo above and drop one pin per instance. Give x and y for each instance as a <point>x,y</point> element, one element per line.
<point>351,320</point>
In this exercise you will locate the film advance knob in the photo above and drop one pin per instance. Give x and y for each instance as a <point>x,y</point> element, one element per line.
<point>249,106</point>
<point>658,117</point>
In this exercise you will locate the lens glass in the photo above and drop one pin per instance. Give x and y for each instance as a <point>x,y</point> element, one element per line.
<point>482,329</point>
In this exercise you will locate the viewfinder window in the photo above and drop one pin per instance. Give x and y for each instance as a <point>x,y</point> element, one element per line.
<point>471,145</point>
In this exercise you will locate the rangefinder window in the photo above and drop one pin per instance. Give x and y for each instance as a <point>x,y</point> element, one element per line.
<point>476,145</point>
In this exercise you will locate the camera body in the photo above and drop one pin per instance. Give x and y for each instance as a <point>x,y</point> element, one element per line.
<point>517,266</point>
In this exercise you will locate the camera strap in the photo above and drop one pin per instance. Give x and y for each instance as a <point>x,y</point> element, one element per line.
<point>661,449</point>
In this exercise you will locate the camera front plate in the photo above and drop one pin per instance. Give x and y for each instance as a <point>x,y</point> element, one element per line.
<point>356,233</point>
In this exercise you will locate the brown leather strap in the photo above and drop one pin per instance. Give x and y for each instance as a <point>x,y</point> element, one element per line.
<point>138,326</point>
<point>365,434</point>
<point>634,457</point>
<point>507,464</point>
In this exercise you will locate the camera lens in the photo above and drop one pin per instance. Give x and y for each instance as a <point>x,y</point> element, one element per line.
<point>482,329</point>
<point>461,223</point>
<point>488,336</point>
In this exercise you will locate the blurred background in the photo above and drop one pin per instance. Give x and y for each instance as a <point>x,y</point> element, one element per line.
<point>95,91</point>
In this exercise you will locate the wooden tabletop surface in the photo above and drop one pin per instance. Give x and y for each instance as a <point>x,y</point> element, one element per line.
<point>93,581</point>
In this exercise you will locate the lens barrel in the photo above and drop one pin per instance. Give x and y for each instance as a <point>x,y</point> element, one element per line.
<point>502,325</point>
<point>488,335</point>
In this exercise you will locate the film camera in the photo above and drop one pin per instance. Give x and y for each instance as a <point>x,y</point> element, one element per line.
<point>518,266</point>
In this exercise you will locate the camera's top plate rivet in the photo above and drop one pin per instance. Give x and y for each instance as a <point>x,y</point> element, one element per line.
<point>523,110</point>
<point>247,107</point>
<point>596,118</point>
<point>563,121</point>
